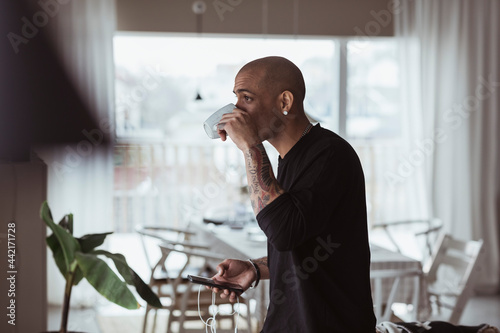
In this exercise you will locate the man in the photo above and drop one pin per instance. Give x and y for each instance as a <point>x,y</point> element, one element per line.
<point>314,213</point>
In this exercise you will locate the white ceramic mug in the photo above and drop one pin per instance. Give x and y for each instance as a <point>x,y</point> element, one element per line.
<point>210,124</point>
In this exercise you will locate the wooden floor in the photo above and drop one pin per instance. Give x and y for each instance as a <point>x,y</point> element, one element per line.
<point>480,309</point>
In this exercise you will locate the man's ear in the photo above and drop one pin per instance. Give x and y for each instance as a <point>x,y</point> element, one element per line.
<point>286,101</point>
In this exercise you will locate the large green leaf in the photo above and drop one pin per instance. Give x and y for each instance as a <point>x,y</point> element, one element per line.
<point>105,281</point>
<point>68,244</point>
<point>90,242</point>
<point>67,223</point>
<point>78,276</point>
<point>59,258</point>
<point>57,252</point>
<point>132,278</point>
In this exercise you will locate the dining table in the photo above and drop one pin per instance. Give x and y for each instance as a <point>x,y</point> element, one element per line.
<point>244,242</point>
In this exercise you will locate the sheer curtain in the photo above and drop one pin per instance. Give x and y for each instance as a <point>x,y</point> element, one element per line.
<point>449,56</point>
<point>80,176</point>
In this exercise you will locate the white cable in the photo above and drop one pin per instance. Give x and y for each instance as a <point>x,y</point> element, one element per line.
<point>211,321</point>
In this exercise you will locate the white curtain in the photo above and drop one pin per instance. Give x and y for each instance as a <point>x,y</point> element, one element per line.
<point>451,93</point>
<point>80,176</point>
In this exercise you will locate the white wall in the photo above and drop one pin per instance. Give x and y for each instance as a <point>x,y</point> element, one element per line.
<point>303,17</point>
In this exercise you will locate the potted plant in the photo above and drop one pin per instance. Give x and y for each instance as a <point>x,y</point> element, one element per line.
<point>78,258</point>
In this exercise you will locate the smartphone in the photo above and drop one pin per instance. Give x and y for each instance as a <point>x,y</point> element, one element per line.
<point>209,282</point>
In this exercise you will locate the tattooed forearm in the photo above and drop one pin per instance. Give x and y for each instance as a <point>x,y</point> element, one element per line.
<point>264,268</point>
<point>261,261</point>
<point>262,185</point>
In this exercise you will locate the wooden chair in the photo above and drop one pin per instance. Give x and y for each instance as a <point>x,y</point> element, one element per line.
<point>181,253</point>
<point>451,274</point>
<point>167,270</point>
<point>187,298</point>
<point>425,231</point>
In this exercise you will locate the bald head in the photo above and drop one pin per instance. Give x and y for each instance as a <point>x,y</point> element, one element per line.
<point>278,74</point>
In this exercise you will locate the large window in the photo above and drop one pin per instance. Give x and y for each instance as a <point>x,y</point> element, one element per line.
<point>166,168</point>
<point>158,78</point>
<point>372,90</point>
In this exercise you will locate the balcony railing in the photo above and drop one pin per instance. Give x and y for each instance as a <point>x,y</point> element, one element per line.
<point>172,183</point>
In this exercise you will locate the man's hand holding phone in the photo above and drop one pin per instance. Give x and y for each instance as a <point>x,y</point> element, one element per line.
<point>234,272</point>
<point>214,284</point>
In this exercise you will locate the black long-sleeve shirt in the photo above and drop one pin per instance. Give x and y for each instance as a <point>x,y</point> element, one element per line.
<point>318,251</point>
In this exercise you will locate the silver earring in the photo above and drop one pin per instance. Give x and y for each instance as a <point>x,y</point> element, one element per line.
<point>285,112</point>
